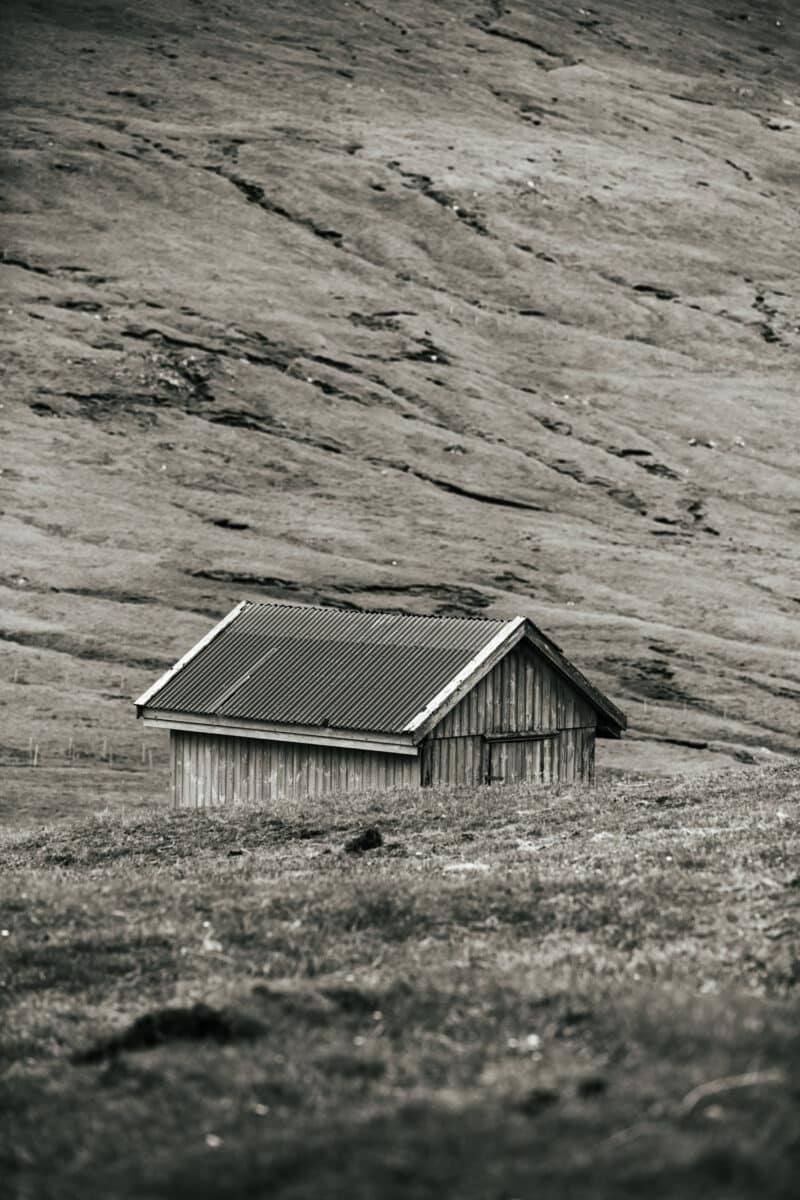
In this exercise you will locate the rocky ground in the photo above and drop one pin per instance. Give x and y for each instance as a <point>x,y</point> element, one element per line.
<point>455,308</point>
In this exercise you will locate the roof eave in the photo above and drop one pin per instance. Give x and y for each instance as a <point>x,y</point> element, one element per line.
<point>169,674</point>
<point>612,721</point>
<point>615,720</point>
<point>478,666</point>
<point>315,735</point>
<point>609,731</point>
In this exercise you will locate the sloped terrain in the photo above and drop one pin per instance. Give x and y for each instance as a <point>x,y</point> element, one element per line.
<point>453,308</point>
<point>590,995</point>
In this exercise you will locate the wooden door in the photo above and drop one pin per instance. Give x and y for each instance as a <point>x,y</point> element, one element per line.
<point>507,762</point>
<point>517,759</point>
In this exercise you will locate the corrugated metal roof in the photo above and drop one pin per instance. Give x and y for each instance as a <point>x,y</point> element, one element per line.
<point>325,667</point>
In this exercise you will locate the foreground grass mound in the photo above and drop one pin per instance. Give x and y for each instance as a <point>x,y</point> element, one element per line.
<point>512,992</point>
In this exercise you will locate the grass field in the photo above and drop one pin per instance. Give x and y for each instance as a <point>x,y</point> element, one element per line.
<point>56,796</point>
<point>586,993</point>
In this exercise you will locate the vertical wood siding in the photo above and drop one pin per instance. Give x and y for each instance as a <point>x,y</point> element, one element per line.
<point>210,769</point>
<point>568,756</point>
<point>454,760</point>
<point>521,694</point>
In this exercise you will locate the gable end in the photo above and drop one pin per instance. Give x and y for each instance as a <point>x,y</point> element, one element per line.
<point>527,684</point>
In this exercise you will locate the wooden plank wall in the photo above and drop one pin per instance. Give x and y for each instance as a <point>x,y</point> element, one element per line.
<point>521,694</point>
<point>568,756</point>
<point>454,760</point>
<point>210,769</point>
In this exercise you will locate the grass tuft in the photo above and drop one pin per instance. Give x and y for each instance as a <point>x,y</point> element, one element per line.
<point>587,992</point>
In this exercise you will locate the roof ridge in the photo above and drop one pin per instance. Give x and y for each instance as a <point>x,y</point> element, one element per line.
<point>372,668</point>
<point>382,612</point>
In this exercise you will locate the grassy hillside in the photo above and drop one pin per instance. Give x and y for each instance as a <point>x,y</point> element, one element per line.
<point>590,993</point>
<point>460,307</point>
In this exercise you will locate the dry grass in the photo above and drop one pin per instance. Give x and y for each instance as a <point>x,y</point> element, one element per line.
<point>517,994</point>
<point>205,401</point>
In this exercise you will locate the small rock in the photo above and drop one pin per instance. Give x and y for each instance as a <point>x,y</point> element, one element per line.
<point>368,839</point>
<point>593,1085</point>
<point>537,1100</point>
<point>231,523</point>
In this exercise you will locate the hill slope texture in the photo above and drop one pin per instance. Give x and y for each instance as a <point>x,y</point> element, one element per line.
<point>456,308</point>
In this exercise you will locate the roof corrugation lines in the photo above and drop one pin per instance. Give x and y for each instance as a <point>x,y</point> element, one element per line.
<point>325,667</point>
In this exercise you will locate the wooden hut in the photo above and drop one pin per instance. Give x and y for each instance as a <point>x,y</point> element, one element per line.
<point>296,700</point>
